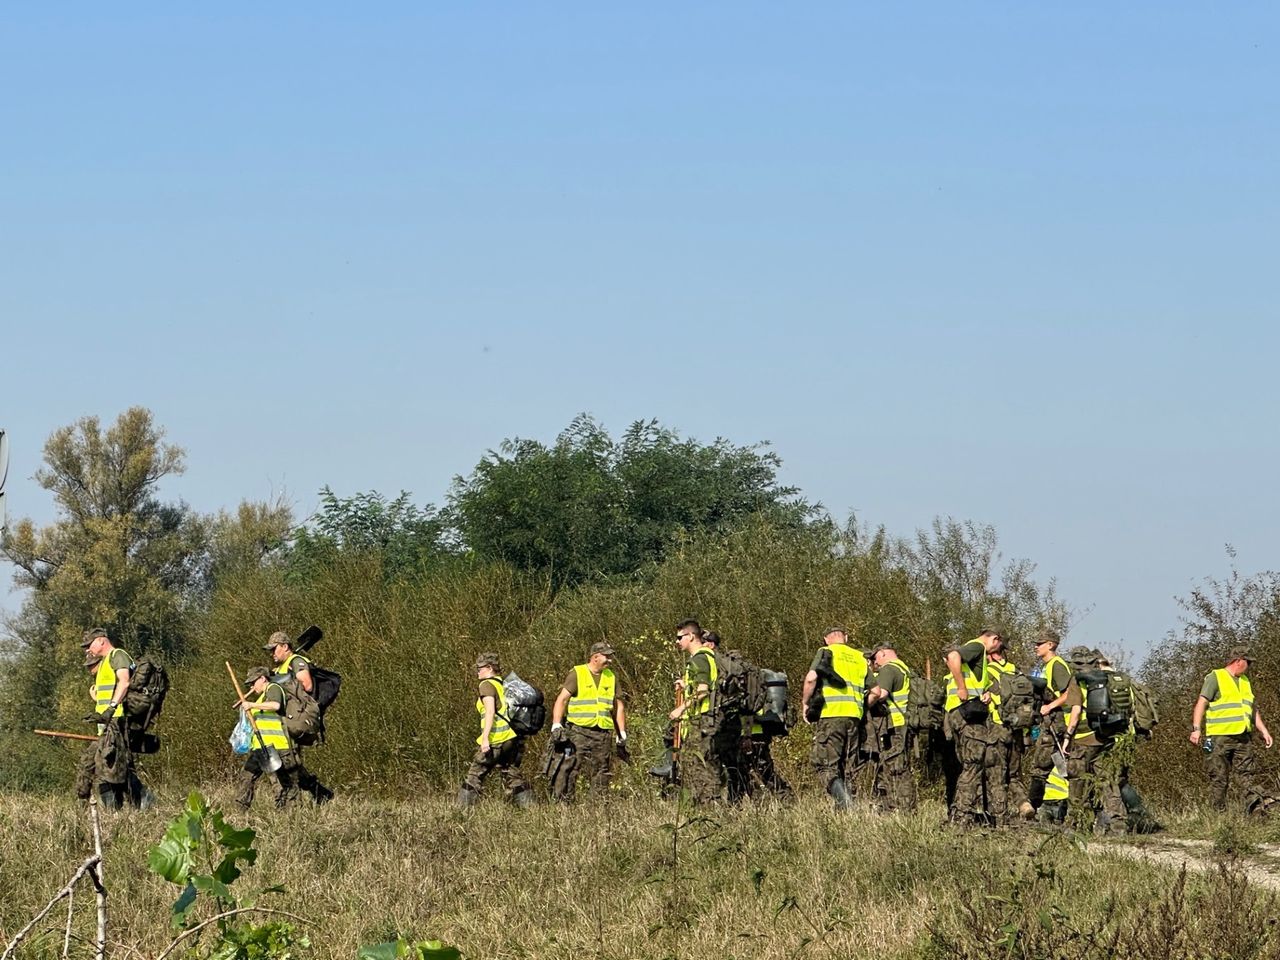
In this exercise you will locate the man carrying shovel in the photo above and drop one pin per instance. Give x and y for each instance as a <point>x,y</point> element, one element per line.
<point>272,751</point>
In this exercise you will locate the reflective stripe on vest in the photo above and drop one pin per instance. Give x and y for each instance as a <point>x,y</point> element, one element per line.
<point>501,731</point>
<point>1056,787</point>
<point>850,666</point>
<point>691,690</point>
<point>973,684</point>
<point>897,702</point>
<point>592,705</point>
<point>271,725</point>
<point>1231,712</point>
<point>997,667</point>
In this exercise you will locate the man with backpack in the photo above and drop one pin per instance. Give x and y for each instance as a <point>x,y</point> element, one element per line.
<point>1092,781</point>
<point>500,748</point>
<point>587,720</point>
<point>266,698</point>
<point>293,671</point>
<point>836,708</point>
<point>108,761</point>
<point>1222,722</point>
<point>1012,709</point>
<point>700,766</point>
<point>968,726</point>
<point>887,704</point>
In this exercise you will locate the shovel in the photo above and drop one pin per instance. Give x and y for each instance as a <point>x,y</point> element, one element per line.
<point>1060,761</point>
<point>274,762</point>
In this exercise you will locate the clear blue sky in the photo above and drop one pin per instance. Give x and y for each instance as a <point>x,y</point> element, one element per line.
<point>1008,262</point>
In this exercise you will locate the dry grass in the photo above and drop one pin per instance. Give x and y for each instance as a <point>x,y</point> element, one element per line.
<point>585,881</point>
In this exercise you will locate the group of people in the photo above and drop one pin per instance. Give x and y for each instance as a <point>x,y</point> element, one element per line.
<point>1000,765</point>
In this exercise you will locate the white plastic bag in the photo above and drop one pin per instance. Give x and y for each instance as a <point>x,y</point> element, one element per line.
<point>241,738</point>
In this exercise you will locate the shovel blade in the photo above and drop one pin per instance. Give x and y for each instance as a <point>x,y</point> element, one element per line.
<point>272,761</point>
<point>1059,763</point>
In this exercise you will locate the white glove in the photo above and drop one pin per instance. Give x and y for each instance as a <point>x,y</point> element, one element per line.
<point>622,737</point>
<point>557,727</point>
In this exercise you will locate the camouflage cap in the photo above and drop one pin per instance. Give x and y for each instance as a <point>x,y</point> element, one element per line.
<point>92,634</point>
<point>91,662</point>
<point>1241,651</point>
<point>1048,636</point>
<point>276,639</point>
<point>836,629</point>
<point>255,673</point>
<point>488,660</point>
<point>601,646</point>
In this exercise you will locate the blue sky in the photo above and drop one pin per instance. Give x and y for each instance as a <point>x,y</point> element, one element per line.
<point>1006,262</point>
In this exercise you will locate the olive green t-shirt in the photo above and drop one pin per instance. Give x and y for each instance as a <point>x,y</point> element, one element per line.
<point>297,665</point>
<point>890,678</point>
<point>700,668</point>
<point>120,660</point>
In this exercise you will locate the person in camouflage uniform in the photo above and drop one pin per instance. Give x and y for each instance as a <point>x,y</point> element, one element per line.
<point>887,704</point>
<point>1225,714</point>
<point>1092,782</point>
<point>587,719</point>
<point>296,668</point>
<point>834,700</point>
<point>701,771</point>
<point>266,699</point>
<point>1062,696</point>
<point>967,724</point>
<point>499,748</point>
<point>1006,790</point>
<point>108,761</point>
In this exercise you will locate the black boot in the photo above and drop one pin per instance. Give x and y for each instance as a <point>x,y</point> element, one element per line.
<point>666,768</point>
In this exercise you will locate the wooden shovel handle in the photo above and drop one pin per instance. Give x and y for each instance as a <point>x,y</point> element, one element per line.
<point>248,713</point>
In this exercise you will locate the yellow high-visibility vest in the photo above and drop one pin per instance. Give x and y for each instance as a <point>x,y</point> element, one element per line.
<point>104,685</point>
<point>1056,787</point>
<point>286,668</point>
<point>897,701</point>
<point>691,689</point>
<point>974,683</point>
<point>271,725</point>
<point>1048,676</point>
<point>592,705</point>
<point>1231,712</point>
<point>501,731</point>
<point>848,701</point>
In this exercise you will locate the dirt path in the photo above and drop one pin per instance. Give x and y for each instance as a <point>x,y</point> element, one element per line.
<point>1262,867</point>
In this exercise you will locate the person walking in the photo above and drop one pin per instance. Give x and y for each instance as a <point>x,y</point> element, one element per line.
<point>836,708</point>
<point>1223,722</point>
<point>295,667</point>
<point>265,698</point>
<point>587,720</point>
<point>107,763</point>
<point>499,748</point>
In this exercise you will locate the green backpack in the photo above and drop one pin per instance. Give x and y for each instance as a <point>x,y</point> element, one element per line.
<point>1146,710</point>
<point>925,700</point>
<point>1018,700</point>
<point>301,713</point>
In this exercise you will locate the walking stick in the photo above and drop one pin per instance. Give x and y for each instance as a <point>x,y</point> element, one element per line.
<point>66,736</point>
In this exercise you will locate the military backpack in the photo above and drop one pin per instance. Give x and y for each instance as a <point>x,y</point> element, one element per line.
<point>1146,710</point>
<point>148,686</point>
<point>1018,700</point>
<point>740,686</point>
<point>302,715</point>
<point>526,708</point>
<point>1108,701</point>
<point>925,701</point>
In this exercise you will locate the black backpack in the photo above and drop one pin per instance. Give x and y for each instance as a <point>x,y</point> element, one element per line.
<point>325,685</point>
<point>740,686</point>
<point>1108,701</point>
<point>148,686</point>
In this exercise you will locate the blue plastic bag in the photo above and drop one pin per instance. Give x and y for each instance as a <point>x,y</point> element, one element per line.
<point>241,738</point>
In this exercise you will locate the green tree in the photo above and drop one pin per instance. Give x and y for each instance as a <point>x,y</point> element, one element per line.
<point>116,555</point>
<point>589,506</point>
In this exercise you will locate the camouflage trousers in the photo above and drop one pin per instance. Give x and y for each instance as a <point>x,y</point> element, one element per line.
<point>1234,756</point>
<point>895,781</point>
<point>701,769</point>
<point>286,777</point>
<point>834,754</point>
<point>1094,788</point>
<point>1002,773</point>
<point>505,758</point>
<point>591,760</point>
<point>970,742</point>
<point>1040,763</point>
<point>764,775</point>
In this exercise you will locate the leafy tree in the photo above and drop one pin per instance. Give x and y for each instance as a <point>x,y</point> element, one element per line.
<point>405,538</point>
<point>116,555</point>
<point>589,506</point>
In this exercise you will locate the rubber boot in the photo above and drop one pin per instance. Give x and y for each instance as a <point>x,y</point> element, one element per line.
<point>839,792</point>
<point>109,796</point>
<point>523,800</point>
<point>467,798</point>
<point>666,768</point>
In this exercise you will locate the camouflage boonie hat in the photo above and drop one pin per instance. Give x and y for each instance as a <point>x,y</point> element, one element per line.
<point>488,660</point>
<point>277,638</point>
<point>1048,636</point>
<point>255,673</point>
<point>601,647</point>
<point>1241,651</point>
<point>91,662</point>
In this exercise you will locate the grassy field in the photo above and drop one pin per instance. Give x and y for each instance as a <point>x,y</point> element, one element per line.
<point>622,880</point>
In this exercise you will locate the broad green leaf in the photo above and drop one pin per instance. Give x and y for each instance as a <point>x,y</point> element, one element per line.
<point>171,859</point>
<point>378,951</point>
<point>182,906</point>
